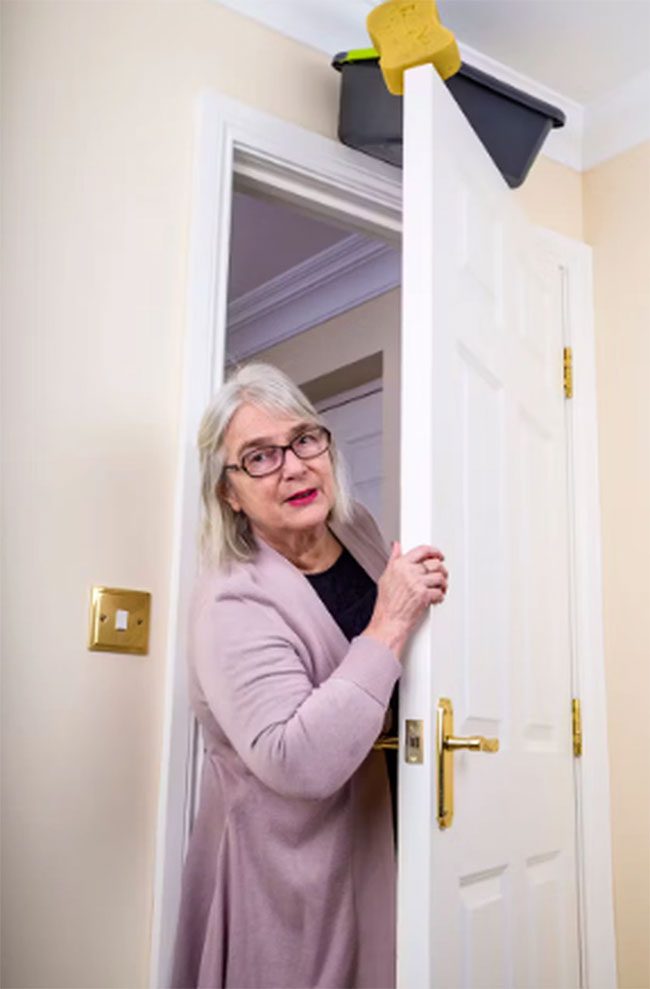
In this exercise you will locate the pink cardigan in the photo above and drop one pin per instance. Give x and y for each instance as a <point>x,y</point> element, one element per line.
<point>289,881</point>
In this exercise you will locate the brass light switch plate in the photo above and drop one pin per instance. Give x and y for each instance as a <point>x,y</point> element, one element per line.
<point>119,620</point>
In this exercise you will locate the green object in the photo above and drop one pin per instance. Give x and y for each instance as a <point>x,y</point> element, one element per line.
<point>356,55</point>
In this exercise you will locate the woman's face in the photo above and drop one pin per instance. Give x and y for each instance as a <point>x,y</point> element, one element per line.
<point>267,501</point>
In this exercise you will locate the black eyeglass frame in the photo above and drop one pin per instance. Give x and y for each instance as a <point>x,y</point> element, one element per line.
<point>283,450</point>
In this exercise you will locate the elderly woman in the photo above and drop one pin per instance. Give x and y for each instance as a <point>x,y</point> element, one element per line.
<point>298,626</point>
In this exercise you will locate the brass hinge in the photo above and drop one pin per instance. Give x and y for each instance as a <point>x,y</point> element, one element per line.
<point>568,372</point>
<point>577,726</point>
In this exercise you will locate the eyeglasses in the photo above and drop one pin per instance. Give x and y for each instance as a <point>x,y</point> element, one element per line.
<point>267,459</point>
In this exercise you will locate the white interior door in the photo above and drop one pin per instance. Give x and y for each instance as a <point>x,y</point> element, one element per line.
<point>491,900</point>
<point>355,420</point>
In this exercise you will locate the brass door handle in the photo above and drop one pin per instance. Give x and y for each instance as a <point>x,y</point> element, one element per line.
<point>387,742</point>
<point>446,744</point>
<point>476,743</point>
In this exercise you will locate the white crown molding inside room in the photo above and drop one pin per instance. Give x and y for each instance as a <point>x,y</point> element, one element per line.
<point>336,279</point>
<point>594,132</point>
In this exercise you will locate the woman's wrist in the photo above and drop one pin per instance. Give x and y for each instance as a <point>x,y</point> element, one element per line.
<point>390,634</point>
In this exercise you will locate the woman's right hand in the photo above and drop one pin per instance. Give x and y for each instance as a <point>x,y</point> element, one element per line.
<point>409,585</point>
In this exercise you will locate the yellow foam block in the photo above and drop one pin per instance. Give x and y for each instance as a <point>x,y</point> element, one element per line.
<point>408,33</point>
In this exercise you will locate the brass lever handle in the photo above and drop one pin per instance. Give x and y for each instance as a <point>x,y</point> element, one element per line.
<point>446,744</point>
<point>476,743</point>
<point>387,742</point>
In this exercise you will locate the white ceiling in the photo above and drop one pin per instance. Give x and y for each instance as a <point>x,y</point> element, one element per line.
<point>268,238</point>
<point>582,49</point>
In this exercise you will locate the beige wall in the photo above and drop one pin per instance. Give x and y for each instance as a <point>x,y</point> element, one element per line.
<point>98,102</point>
<point>617,225</point>
<point>551,196</point>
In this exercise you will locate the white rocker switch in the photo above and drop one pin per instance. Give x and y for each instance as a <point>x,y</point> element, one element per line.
<point>119,620</point>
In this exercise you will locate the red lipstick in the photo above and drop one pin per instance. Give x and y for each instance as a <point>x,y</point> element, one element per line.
<point>303,497</point>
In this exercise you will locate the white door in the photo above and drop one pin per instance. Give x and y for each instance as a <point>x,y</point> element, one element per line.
<point>355,419</point>
<point>489,901</point>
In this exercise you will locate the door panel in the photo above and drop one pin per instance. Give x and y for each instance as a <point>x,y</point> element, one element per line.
<point>356,422</point>
<point>491,900</point>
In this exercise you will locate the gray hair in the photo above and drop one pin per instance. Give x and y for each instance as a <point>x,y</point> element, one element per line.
<point>226,535</point>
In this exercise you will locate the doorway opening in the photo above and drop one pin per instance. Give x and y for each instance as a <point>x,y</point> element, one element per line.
<point>321,301</point>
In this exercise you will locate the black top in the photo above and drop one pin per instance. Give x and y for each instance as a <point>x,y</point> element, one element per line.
<point>349,594</point>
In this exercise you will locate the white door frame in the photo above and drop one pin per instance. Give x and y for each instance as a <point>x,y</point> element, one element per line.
<point>334,181</point>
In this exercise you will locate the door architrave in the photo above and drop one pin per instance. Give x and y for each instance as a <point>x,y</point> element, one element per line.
<point>328,179</point>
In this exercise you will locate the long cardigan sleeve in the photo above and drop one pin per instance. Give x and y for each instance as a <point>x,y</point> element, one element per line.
<point>300,739</point>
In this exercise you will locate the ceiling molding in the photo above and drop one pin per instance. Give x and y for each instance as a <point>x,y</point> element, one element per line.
<point>618,122</point>
<point>329,27</point>
<point>592,133</point>
<point>337,279</point>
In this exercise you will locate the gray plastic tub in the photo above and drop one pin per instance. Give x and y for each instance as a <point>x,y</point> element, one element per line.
<point>510,124</point>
